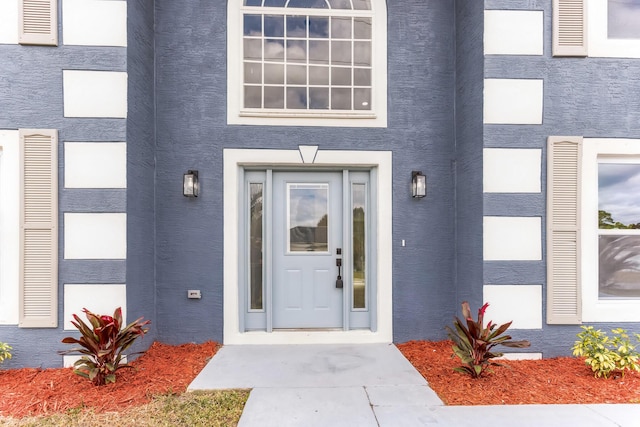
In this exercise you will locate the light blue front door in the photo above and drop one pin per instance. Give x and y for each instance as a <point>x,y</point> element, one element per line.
<point>307,242</point>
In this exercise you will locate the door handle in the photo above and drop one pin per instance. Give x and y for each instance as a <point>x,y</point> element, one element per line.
<point>339,283</point>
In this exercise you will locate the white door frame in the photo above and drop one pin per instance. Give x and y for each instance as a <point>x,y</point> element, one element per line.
<point>234,162</point>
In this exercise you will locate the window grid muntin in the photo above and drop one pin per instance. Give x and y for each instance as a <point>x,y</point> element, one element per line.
<point>356,91</point>
<point>363,4</point>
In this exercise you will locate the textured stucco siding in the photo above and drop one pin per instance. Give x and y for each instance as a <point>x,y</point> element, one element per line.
<point>591,97</point>
<point>31,96</point>
<point>141,236</point>
<point>421,130</point>
<point>469,134</point>
<point>192,132</point>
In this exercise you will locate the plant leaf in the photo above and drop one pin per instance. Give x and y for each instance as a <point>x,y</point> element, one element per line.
<point>517,344</point>
<point>466,311</point>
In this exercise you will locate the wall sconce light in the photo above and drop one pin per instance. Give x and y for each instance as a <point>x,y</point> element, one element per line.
<point>190,184</point>
<point>418,184</point>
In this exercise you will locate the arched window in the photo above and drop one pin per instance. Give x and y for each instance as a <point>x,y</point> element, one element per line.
<point>307,62</point>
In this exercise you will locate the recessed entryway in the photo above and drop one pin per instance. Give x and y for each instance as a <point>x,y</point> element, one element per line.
<point>307,247</point>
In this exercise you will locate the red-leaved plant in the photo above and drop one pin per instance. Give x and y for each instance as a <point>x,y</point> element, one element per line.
<point>472,341</point>
<point>102,344</point>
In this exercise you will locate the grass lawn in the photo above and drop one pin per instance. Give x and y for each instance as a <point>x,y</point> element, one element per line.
<point>198,408</point>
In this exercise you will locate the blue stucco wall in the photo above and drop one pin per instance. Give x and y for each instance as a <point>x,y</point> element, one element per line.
<point>141,135</point>
<point>192,132</point>
<point>469,134</point>
<point>31,97</point>
<point>421,86</point>
<point>591,97</point>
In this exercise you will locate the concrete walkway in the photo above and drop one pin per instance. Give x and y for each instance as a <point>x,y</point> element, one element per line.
<point>367,385</point>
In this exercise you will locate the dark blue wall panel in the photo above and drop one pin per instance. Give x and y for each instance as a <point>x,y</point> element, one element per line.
<point>469,134</point>
<point>192,132</point>
<point>421,132</point>
<point>141,238</point>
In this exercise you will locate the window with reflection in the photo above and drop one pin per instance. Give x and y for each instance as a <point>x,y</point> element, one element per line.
<point>308,56</point>
<point>256,287</point>
<point>359,212</point>
<point>623,19</point>
<point>308,217</point>
<point>619,229</point>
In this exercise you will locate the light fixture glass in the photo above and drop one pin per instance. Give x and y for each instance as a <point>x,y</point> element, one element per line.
<point>190,184</point>
<point>418,184</point>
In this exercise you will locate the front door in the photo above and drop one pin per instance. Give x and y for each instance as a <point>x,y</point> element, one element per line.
<point>307,244</point>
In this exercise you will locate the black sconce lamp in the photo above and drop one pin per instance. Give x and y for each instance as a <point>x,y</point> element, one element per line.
<point>190,184</point>
<point>418,184</point>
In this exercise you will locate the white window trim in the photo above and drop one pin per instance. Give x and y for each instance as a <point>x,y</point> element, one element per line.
<point>599,45</point>
<point>236,116</point>
<point>9,226</point>
<point>594,309</point>
<point>234,160</point>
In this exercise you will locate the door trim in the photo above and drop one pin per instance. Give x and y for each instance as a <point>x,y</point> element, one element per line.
<point>380,163</point>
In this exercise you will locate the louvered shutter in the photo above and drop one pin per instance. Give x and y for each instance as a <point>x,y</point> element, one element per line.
<point>563,230</point>
<point>38,22</point>
<point>38,228</point>
<point>569,27</point>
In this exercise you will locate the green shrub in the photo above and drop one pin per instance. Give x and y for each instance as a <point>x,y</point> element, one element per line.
<point>472,341</point>
<point>5,351</point>
<point>606,355</point>
<point>103,344</point>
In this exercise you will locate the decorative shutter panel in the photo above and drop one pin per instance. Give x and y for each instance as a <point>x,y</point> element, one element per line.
<point>39,228</point>
<point>569,27</point>
<point>38,22</point>
<point>563,230</point>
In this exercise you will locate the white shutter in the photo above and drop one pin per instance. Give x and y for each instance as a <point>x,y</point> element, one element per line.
<point>569,27</point>
<point>563,230</point>
<point>38,22</point>
<point>38,228</point>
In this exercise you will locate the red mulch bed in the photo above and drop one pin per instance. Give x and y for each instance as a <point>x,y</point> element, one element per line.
<point>557,380</point>
<point>162,369</point>
<point>169,369</point>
